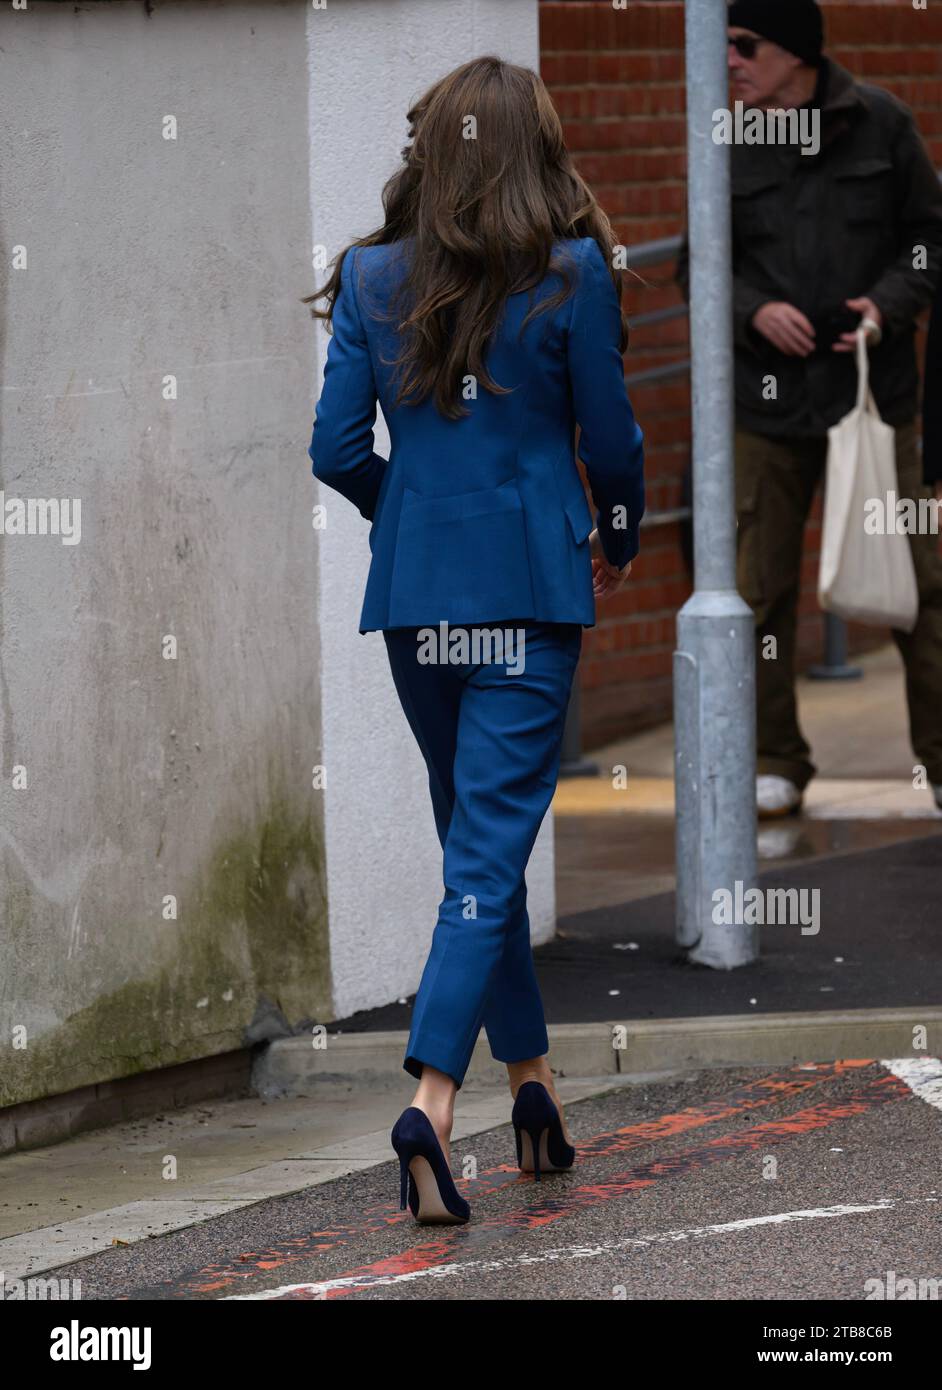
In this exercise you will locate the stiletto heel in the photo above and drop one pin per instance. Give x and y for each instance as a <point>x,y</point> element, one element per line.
<point>535,1137</point>
<point>536,1120</point>
<point>424,1172</point>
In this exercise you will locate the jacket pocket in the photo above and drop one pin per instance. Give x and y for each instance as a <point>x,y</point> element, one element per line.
<point>866,190</point>
<point>756,207</point>
<point>462,557</point>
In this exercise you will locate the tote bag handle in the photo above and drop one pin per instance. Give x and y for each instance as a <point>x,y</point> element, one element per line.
<point>865,399</point>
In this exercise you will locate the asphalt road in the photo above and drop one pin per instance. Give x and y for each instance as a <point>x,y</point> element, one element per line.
<point>803,1182</point>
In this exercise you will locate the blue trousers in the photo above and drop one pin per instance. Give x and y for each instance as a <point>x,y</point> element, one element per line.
<point>490,732</point>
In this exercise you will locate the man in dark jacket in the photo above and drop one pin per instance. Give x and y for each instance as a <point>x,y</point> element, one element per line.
<point>932,408</point>
<point>843,233</point>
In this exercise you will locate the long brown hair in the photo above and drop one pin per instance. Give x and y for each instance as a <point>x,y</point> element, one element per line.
<point>485,188</point>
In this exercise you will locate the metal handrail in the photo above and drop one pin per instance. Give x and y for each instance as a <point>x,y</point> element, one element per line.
<point>673,311</point>
<point>655,252</point>
<point>650,374</point>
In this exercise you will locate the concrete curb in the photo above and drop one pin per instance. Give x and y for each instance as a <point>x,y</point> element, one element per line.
<point>292,1065</point>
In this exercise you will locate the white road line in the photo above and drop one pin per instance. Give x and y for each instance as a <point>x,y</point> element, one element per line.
<point>578,1252</point>
<point>923,1076</point>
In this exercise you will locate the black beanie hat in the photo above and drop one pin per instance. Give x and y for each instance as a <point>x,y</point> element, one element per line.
<point>796,25</point>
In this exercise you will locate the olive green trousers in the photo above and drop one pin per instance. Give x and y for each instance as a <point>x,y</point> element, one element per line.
<point>775,486</point>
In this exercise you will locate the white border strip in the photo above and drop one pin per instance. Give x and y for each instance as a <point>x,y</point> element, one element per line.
<point>923,1076</point>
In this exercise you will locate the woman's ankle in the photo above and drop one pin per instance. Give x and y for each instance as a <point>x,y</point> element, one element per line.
<point>533,1069</point>
<point>435,1097</point>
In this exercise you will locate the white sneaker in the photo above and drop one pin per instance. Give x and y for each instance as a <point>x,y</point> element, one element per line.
<point>776,796</point>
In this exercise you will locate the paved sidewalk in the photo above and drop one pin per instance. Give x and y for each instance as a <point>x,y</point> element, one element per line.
<point>616,845</point>
<point>623,1009</point>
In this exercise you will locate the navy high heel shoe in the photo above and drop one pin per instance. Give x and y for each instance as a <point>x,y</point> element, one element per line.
<point>424,1173</point>
<point>538,1130</point>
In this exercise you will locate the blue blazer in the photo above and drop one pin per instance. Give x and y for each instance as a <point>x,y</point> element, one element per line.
<point>485,519</point>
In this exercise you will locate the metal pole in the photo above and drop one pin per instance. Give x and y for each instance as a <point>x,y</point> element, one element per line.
<point>714,664</point>
<point>834,667</point>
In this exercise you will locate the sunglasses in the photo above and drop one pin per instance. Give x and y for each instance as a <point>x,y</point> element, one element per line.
<point>745,45</point>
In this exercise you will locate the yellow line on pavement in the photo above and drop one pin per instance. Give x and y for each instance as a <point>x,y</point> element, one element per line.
<point>593,796</point>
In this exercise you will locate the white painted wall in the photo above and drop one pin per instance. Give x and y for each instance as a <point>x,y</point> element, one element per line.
<point>369,60</point>
<point>148,258</point>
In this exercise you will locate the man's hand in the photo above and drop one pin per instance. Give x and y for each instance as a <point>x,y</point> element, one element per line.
<point>847,342</point>
<point>606,579</point>
<point>786,328</point>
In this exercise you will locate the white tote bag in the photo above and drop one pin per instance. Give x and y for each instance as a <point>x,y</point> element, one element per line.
<point>864,577</point>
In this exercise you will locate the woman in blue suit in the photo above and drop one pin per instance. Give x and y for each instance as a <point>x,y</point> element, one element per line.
<point>485,317</point>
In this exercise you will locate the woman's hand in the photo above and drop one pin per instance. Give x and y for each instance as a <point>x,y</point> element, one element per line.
<point>606,579</point>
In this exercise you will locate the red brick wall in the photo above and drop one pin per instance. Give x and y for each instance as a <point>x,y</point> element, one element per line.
<point>617,78</point>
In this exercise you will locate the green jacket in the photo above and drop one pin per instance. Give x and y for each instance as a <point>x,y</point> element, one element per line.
<point>816,230</point>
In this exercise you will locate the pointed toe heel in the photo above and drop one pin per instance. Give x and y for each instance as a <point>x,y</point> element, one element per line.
<point>538,1131</point>
<point>425,1180</point>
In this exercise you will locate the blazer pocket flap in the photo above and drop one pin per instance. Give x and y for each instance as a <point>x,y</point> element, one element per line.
<point>424,511</point>
<point>580,518</point>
